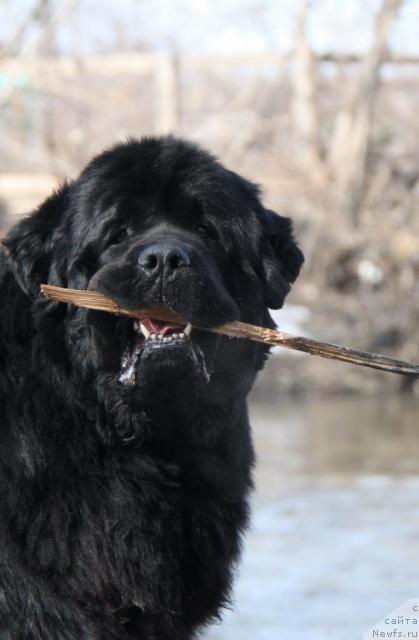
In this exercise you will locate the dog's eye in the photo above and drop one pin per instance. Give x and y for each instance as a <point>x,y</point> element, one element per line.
<point>205,231</point>
<point>118,236</point>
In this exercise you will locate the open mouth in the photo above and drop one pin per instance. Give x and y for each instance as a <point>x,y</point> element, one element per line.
<point>161,333</point>
<point>151,334</point>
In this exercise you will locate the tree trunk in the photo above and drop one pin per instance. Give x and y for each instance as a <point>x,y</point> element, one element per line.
<point>351,137</point>
<point>303,108</point>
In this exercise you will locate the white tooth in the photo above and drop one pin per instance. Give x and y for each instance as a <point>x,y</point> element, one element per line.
<point>137,327</point>
<point>182,335</point>
<point>144,330</point>
<point>187,330</point>
<point>153,336</point>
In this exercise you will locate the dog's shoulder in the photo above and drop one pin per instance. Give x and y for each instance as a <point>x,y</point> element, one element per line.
<point>8,285</point>
<point>4,267</point>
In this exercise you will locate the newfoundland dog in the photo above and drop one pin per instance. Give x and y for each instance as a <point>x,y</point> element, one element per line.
<point>125,450</point>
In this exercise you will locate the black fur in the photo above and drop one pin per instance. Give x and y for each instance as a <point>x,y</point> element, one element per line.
<point>122,506</point>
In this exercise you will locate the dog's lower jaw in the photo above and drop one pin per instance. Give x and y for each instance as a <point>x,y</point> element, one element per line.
<point>157,365</point>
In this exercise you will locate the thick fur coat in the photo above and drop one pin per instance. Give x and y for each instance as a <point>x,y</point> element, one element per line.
<point>125,449</point>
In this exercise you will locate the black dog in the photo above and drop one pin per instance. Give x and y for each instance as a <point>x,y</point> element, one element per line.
<point>125,452</point>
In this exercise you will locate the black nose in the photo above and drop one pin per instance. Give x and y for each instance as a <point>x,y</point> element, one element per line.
<point>163,257</point>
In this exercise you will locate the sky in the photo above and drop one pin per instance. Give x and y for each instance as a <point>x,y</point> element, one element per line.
<point>213,26</point>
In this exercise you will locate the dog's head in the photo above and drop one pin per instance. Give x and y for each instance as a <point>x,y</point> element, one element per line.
<point>158,222</point>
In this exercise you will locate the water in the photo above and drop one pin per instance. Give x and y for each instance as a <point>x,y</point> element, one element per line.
<point>335,539</point>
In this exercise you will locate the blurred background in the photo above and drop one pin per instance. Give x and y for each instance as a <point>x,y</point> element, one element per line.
<point>316,101</point>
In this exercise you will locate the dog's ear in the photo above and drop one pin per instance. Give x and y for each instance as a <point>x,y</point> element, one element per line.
<point>281,258</point>
<point>31,244</point>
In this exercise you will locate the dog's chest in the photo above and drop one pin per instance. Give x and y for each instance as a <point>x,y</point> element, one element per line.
<point>147,527</point>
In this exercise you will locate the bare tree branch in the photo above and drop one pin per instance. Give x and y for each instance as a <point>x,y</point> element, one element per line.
<point>13,45</point>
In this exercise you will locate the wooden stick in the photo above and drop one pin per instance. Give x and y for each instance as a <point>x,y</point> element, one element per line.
<point>100,302</point>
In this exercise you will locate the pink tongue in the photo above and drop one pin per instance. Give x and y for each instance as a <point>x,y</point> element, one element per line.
<point>155,326</point>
